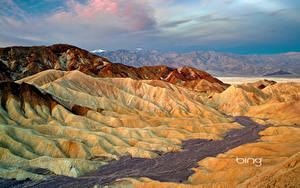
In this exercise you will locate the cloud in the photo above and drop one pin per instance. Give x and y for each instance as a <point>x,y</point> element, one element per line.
<point>273,13</point>
<point>112,15</point>
<point>159,24</point>
<point>175,23</point>
<point>86,24</point>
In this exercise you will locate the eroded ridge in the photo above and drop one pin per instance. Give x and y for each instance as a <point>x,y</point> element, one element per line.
<point>169,167</point>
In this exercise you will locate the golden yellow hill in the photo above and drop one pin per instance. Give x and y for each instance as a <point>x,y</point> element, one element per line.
<point>74,118</point>
<point>277,151</point>
<point>69,123</point>
<point>276,164</point>
<point>278,103</point>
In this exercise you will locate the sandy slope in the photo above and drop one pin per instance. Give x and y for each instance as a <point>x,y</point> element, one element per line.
<point>97,118</point>
<point>278,103</point>
<point>278,148</point>
<point>75,123</point>
<point>280,165</point>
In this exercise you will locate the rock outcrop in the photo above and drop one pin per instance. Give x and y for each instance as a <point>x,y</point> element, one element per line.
<point>20,62</point>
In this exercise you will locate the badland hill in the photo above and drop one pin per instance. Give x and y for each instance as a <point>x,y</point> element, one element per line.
<point>67,115</point>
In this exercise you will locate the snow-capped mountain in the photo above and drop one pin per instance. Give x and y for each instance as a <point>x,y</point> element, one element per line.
<point>98,51</point>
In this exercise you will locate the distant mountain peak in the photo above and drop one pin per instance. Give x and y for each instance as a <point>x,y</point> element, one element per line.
<point>139,49</point>
<point>99,51</point>
<point>278,73</point>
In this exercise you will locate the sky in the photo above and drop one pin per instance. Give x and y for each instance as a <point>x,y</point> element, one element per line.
<point>237,26</point>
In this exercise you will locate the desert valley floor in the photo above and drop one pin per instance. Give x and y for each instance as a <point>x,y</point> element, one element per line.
<point>97,123</point>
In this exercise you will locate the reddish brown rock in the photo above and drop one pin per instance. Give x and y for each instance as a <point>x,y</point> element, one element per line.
<point>20,62</point>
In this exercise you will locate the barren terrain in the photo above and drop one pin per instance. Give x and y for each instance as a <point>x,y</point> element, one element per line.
<point>85,121</point>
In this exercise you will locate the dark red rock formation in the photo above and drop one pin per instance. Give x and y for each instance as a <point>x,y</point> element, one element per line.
<point>20,62</point>
<point>83,110</point>
<point>24,93</point>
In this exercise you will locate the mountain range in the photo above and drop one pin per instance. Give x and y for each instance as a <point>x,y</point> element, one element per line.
<point>20,62</point>
<point>215,63</point>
